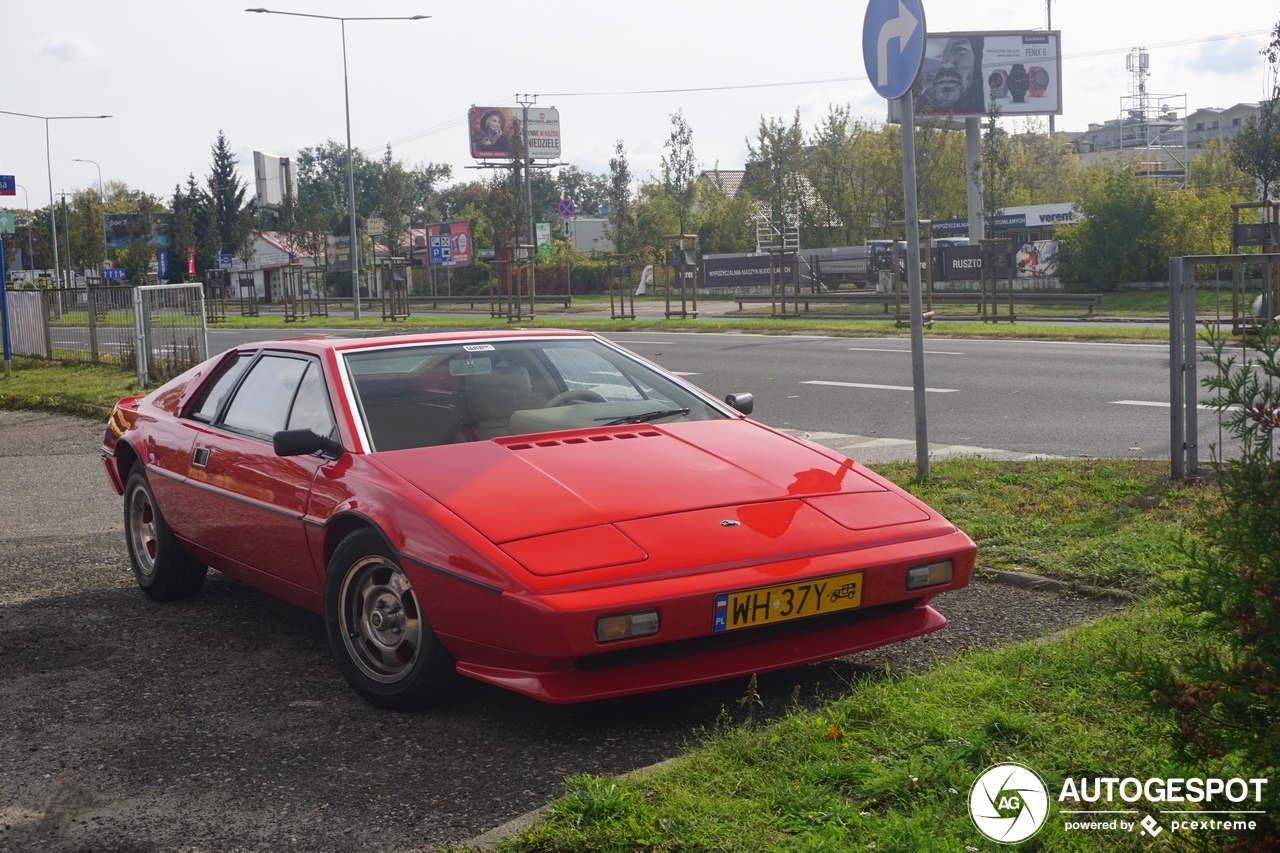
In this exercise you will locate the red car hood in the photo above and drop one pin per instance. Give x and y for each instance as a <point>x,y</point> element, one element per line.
<point>573,492</point>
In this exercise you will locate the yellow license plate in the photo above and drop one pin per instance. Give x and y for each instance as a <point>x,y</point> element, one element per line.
<point>766,605</point>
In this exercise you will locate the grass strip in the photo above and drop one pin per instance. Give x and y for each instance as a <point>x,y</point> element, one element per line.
<point>762,325</point>
<point>1095,524</point>
<point>75,387</point>
<point>890,766</point>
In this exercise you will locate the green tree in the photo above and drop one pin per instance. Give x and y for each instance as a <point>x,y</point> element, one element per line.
<point>1255,148</point>
<point>621,218</point>
<point>394,180</point>
<point>233,219</point>
<point>724,224</point>
<point>322,174</point>
<point>775,170</point>
<point>1213,169</point>
<point>589,192</point>
<point>679,167</point>
<point>996,174</point>
<point>1223,694</point>
<point>84,220</point>
<point>1118,237</point>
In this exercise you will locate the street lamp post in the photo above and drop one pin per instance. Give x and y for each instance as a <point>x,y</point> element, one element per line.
<point>354,253</point>
<point>53,218</point>
<point>31,251</point>
<point>102,200</point>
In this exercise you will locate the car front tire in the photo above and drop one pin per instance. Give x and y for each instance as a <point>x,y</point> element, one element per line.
<point>163,568</point>
<point>380,637</point>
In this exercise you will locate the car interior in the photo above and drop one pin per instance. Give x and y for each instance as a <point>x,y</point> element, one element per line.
<point>448,394</point>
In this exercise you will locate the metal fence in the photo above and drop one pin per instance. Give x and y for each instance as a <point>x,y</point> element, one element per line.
<point>26,323</point>
<point>170,330</point>
<point>74,324</point>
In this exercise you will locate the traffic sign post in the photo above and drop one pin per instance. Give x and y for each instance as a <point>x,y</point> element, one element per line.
<point>4,316</point>
<point>566,208</point>
<point>893,41</point>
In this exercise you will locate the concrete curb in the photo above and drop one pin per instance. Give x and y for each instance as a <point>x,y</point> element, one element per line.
<point>1036,583</point>
<point>512,828</point>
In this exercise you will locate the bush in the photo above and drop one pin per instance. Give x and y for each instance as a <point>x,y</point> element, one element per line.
<point>1225,695</point>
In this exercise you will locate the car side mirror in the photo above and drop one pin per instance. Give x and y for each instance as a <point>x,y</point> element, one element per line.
<point>304,442</point>
<point>743,402</point>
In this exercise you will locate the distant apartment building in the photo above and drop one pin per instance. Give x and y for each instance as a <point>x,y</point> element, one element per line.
<point>1140,130</point>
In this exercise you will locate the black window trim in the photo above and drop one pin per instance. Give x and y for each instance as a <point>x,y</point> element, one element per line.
<point>213,380</point>
<point>219,422</point>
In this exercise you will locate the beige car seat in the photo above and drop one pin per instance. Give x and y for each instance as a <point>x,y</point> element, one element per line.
<point>492,397</point>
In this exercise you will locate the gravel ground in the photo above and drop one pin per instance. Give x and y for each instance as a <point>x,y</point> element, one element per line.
<point>221,724</point>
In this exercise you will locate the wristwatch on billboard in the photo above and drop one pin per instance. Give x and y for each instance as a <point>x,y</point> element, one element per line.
<point>1018,83</point>
<point>1038,81</point>
<point>997,82</point>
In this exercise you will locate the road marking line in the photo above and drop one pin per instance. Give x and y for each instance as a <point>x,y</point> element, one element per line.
<point>907,351</point>
<point>683,373</point>
<point>1157,404</point>
<point>877,387</point>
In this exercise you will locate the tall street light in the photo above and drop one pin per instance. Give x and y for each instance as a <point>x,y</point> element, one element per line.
<point>53,219</point>
<point>102,200</point>
<point>351,169</point>
<point>31,251</point>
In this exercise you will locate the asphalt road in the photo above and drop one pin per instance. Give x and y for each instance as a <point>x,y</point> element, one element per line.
<point>221,723</point>
<point>1020,397</point>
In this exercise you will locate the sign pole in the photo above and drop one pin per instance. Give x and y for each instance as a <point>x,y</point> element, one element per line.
<point>893,46</point>
<point>913,282</point>
<point>4,314</point>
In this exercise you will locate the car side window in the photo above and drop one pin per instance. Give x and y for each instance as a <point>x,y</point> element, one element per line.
<point>262,402</point>
<point>217,390</point>
<point>311,405</point>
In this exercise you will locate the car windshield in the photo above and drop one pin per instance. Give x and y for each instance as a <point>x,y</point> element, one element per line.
<point>431,394</point>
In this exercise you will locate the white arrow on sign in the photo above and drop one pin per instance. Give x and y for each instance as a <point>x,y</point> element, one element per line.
<point>900,28</point>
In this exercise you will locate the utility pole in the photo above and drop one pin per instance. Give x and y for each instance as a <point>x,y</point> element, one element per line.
<point>525,102</point>
<point>66,232</point>
<point>1048,11</point>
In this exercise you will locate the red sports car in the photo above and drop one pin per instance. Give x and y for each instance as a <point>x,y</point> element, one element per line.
<point>543,511</point>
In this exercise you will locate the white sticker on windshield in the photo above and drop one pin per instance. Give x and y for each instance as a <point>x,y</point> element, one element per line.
<point>478,347</point>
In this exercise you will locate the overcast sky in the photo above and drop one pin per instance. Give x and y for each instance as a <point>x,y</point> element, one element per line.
<point>171,74</point>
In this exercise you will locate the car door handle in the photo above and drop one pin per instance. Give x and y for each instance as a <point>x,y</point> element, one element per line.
<point>201,457</point>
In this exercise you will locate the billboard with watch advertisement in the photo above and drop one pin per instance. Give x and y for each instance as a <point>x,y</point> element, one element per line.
<point>963,73</point>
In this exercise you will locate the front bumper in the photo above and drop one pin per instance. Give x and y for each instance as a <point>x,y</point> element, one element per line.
<point>547,648</point>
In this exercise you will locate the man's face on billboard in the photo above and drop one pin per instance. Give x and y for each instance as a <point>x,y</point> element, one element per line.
<point>954,74</point>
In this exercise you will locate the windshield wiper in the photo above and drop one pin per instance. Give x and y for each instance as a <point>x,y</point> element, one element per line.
<point>647,416</point>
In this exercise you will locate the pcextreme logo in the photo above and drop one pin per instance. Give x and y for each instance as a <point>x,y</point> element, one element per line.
<point>1009,803</point>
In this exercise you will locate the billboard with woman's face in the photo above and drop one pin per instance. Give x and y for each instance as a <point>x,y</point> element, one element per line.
<point>491,129</point>
<point>494,129</point>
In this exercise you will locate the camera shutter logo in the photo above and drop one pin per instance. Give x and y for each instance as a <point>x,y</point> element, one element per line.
<point>1009,803</point>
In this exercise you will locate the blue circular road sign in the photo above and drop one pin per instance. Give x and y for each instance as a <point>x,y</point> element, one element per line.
<point>566,208</point>
<point>893,38</point>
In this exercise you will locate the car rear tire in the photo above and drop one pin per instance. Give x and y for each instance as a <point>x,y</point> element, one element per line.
<point>163,568</point>
<point>381,639</point>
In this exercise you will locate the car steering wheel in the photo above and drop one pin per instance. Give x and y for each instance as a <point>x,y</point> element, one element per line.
<point>573,396</point>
